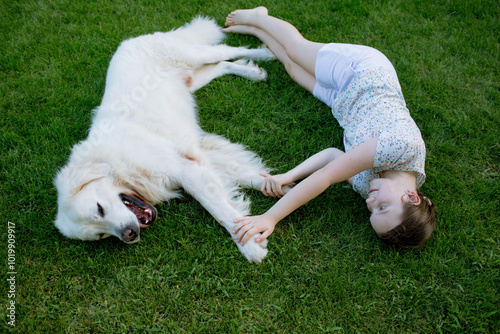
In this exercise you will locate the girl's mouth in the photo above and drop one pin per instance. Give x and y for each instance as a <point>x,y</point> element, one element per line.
<point>372,190</point>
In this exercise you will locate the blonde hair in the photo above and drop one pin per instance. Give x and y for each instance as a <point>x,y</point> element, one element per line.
<point>416,227</point>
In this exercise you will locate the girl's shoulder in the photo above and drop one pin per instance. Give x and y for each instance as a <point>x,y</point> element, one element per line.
<point>400,147</point>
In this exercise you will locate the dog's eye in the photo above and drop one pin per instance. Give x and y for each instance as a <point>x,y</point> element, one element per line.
<point>100,210</point>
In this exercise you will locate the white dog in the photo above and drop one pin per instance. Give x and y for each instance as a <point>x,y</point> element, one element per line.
<point>145,144</point>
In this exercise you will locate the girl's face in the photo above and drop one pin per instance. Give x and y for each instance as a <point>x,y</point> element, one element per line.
<point>386,204</point>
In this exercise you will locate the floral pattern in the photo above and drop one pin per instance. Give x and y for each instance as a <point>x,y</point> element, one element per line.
<point>373,105</point>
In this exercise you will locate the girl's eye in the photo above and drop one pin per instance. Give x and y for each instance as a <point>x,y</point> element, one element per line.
<point>382,207</point>
<point>100,210</point>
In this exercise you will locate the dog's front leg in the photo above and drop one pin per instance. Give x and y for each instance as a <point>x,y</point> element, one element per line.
<point>201,183</point>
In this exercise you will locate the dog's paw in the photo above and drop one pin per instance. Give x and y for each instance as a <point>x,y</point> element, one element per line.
<point>267,54</point>
<point>247,69</point>
<point>253,251</point>
<point>262,53</point>
<point>256,73</point>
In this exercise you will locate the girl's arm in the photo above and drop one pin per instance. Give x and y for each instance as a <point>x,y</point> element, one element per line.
<point>273,185</point>
<point>342,168</point>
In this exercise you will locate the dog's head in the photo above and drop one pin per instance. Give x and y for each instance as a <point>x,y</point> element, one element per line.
<point>92,207</point>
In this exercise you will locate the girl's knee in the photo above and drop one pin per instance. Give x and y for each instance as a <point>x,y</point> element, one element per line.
<point>290,67</point>
<point>300,75</point>
<point>334,153</point>
<point>294,48</point>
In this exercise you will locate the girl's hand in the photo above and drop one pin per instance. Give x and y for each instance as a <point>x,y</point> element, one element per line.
<point>249,226</point>
<point>272,186</point>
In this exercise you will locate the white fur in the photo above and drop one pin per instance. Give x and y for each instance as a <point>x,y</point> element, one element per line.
<point>145,138</point>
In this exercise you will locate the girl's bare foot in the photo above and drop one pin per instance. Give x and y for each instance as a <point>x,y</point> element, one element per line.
<point>244,16</point>
<point>239,29</point>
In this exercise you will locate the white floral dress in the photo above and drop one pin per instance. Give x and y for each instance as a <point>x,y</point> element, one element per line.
<point>373,105</point>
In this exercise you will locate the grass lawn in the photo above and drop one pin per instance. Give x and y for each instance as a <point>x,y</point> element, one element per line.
<point>326,271</point>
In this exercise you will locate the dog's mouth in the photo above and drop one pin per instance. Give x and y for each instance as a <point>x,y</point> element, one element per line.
<point>145,212</point>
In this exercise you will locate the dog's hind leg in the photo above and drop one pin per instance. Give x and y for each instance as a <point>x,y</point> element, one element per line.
<point>197,56</point>
<point>223,203</point>
<point>242,67</point>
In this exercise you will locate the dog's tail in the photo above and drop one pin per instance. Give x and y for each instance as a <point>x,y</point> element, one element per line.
<point>201,31</point>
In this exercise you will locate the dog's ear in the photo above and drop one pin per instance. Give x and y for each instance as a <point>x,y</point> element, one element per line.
<point>73,178</point>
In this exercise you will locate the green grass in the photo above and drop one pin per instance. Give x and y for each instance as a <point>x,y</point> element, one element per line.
<point>326,271</point>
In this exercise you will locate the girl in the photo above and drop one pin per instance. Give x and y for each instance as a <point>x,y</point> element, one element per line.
<point>385,153</point>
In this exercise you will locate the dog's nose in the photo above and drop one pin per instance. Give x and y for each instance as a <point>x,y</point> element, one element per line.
<point>129,235</point>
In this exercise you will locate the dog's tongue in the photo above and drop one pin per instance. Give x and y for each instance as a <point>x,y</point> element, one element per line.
<point>144,222</point>
<point>144,212</point>
<point>143,215</point>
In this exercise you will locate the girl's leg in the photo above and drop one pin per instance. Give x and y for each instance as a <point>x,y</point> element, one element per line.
<point>296,72</point>
<point>299,50</point>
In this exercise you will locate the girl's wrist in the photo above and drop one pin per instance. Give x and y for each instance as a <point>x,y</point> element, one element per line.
<point>270,217</point>
<point>288,178</point>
